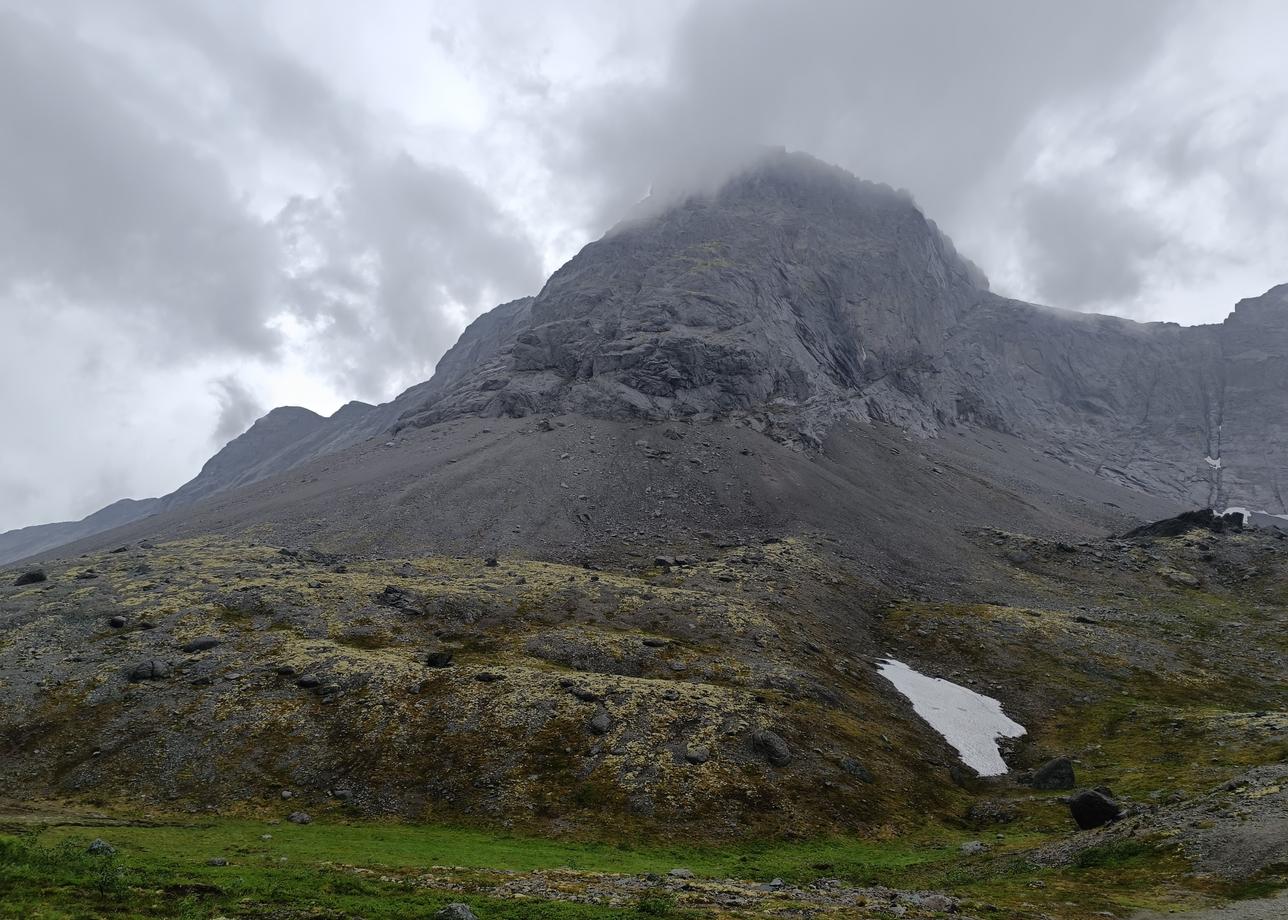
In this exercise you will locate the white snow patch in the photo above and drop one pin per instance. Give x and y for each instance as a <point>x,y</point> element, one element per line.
<point>969,721</point>
<point>1247,515</point>
<point>1214,462</point>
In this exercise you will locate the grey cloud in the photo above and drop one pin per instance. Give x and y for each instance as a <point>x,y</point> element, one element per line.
<point>390,259</point>
<point>238,408</point>
<point>926,95</point>
<point>100,207</point>
<point>1083,249</point>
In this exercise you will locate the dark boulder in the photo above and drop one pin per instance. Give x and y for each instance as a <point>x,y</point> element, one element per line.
<point>398,598</point>
<point>1203,519</point>
<point>299,817</point>
<point>1054,774</point>
<point>1092,808</point>
<point>771,746</point>
<point>439,659</point>
<point>116,622</point>
<point>35,576</point>
<point>202,644</point>
<point>600,723</point>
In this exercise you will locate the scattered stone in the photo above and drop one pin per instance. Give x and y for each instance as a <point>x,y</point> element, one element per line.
<point>35,576</point>
<point>100,847</point>
<point>697,754</point>
<point>586,696</point>
<point>299,817</point>
<point>456,911</point>
<point>490,562</point>
<point>1091,808</point>
<point>772,746</point>
<point>600,723</point>
<point>216,861</point>
<point>201,645</point>
<point>487,677</point>
<point>152,669</point>
<point>308,682</point>
<point>439,659</point>
<point>1054,774</point>
<point>857,770</point>
<point>681,873</point>
<point>1182,579</point>
<point>973,848</point>
<point>116,622</point>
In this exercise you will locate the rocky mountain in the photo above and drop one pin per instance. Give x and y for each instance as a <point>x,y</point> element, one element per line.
<point>635,564</point>
<point>796,297</point>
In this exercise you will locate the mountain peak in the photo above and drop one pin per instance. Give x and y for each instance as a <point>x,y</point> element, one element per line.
<point>793,285</point>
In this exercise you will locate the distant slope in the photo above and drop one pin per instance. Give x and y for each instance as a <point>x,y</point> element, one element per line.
<point>29,541</point>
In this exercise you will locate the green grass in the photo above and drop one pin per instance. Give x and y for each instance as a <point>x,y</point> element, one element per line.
<point>160,870</point>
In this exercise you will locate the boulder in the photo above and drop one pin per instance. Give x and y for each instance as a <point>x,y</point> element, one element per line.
<point>116,622</point>
<point>455,911</point>
<point>697,754</point>
<point>600,723</point>
<point>1091,808</point>
<point>201,645</point>
<point>35,576</point>
<point>1056,773</point>
<point>300,817</point>
<point>439,659</point>
<point>152,669</point>
<point>772,746</point>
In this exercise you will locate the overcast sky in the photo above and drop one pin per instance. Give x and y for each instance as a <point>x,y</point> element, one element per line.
<point>211,208</point>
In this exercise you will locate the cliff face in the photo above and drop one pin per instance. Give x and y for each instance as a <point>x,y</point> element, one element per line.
<point>795,293</point>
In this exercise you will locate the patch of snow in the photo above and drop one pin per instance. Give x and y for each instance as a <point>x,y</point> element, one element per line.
<point>1214,462</point>
<point>969,721</point>
<point>1247,515</point>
